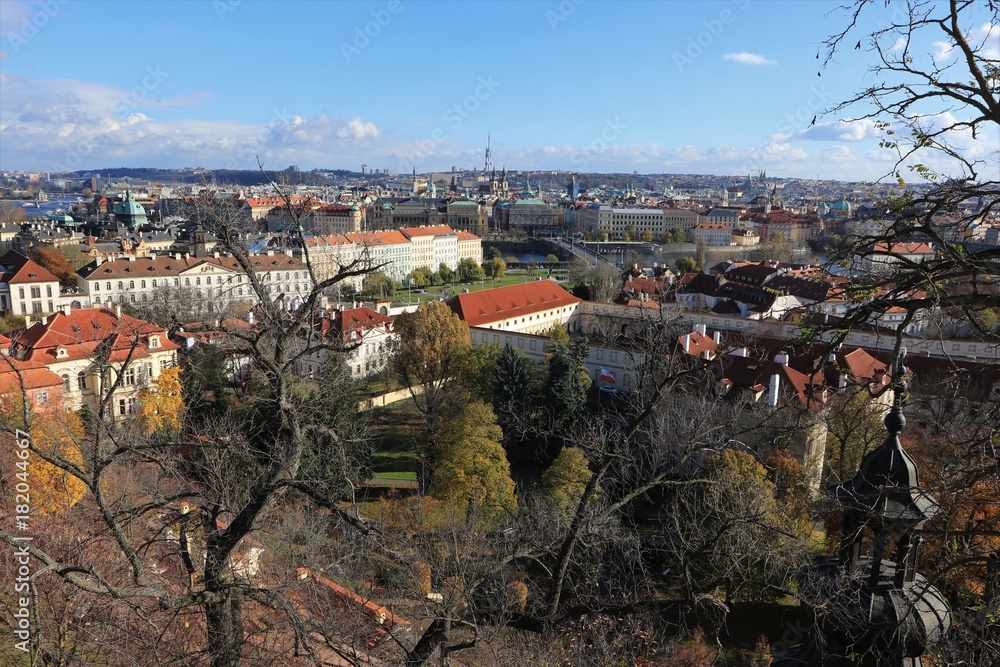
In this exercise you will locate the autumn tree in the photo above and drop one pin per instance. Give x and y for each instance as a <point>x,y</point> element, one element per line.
<point>566,479</point>
<point>57,436</point>
<point>165,527</point>
<point>432,343</point>
<point>470,466</point>
<point>495,268</point>
<point>161,406</point>
<point>57,264</point>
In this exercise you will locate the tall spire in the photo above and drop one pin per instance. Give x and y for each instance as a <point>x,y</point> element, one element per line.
<point>489,155</point>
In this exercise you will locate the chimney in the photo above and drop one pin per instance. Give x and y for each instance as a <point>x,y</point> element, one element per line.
<point>44,320</point>
<point>118,310</point>
<point>772,390</point>
<point>740,352</point>
<point>781,358</point>
<point>65,309</point>
<point>99,260</point>
<point>686,342</point>
<point>717,337</point>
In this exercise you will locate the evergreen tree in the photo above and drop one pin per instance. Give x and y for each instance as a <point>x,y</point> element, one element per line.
<point>567,380</point>
<point>513,378</point>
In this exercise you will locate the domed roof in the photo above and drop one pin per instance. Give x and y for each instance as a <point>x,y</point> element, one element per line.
<point>129,206</point>
<point>841,205</point>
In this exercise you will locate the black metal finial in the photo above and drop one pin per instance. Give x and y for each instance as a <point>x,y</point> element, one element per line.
<point>895,421</point>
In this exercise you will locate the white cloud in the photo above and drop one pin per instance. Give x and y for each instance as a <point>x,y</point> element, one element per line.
<point>49,123</point>
<point>942,50</point>
<point>841,130</point>
<point>747,58</point>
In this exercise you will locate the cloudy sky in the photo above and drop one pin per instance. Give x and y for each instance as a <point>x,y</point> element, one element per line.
<point>685,87</point>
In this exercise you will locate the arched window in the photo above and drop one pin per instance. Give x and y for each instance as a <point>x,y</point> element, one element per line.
<point>65,379</point>
<point>81,380</point>
<point>131,284</point>
<point>97,287</point>
<point>121,286</point>
<point>142,284</point>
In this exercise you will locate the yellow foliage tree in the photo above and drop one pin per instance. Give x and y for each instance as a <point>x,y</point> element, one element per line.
<point>470,465</point>
<point>54,434</point>
<point>567,478</point>
<point>52,488</point>
<point>161,408</point>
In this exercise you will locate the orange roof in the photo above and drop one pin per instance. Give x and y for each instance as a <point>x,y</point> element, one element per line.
<point>17,268</point>
<point>913,248</point>
<point>342,323</point>
<point>467,236</point>
<point>390,237</point>
<point>432,230</point>
<point>332,240</point>
<point>501,303</point>
<point>89,331</point>
<point>34,374</point>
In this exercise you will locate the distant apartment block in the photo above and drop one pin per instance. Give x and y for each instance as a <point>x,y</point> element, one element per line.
<point>712,234</point>
<point>217,280</point>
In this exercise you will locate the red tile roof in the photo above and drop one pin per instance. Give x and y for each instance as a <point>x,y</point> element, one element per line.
<point>17,268</point>
<point>501,303</point>
<point>340,324</point>
<point>88,332</point>
<point>378,238</point>
<point>34,374</point>
<point>432,230</point>
<point>914,248</point>
<point>467,236</point>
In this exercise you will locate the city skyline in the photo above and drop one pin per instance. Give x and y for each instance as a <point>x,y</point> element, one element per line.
<point>717,87</point>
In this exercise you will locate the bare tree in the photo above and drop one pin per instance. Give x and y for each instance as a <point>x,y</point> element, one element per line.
<point>172,527</point>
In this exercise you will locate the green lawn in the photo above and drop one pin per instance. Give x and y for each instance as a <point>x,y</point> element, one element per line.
<point>400,476</point>
<point>513,277</point>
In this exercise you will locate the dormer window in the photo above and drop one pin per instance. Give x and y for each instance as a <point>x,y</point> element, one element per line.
<point>154,341</point>
<point>61,352</point>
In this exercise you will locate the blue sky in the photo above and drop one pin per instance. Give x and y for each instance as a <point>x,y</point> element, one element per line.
<point>686,87</point>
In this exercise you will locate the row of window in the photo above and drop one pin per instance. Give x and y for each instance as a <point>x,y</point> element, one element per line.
<point>130,376</point>
<point>36,291</point>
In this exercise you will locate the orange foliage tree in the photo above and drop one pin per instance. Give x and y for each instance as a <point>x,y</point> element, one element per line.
<point>161,407</point>
<point>56,435</point>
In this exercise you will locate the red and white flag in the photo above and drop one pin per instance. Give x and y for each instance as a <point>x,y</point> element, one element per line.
<point>607,376</point>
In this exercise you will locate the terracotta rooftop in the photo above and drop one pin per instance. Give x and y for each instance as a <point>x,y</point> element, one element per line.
<point>432,230</point>
<point>502,303</point>
<point>17,268</point>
